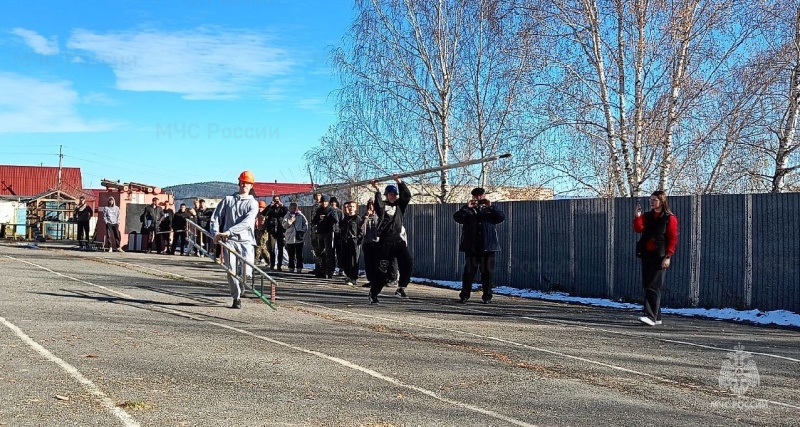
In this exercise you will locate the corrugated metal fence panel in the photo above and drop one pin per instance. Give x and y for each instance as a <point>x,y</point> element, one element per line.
<point>776,251</point>
<point>722,251</point>
<point>592,260</point>
<point>678,279</point>
<point>523,224</point>
<point>540,240</point>
<point>423,239</point>
<point>501,274</point>
<point>627,283</point>
<point>449,261</point>
<point>555,250</point>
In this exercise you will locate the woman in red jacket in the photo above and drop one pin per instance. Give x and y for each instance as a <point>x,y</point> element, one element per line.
<point>659,229</point>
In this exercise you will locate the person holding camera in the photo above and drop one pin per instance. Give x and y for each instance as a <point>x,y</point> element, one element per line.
<point>274,214</point>
<point>296,226</point>
<point>479,242</point>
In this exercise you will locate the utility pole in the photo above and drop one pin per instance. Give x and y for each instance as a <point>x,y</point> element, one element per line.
<point>60,160</point>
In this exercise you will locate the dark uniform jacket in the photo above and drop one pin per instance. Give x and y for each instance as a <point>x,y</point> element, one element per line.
<point>479,233</point>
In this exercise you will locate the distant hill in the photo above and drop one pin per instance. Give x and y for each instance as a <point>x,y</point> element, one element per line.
<point>212,190</point>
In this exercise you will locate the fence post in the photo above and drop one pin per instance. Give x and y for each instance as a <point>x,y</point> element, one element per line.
<point>695,249</point>
<point>748,251</point>
<point>610,247</point>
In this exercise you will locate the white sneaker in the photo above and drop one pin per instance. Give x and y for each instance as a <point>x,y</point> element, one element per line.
<point>658,322</point>
<point>110,250</point>
<point>646,320</point>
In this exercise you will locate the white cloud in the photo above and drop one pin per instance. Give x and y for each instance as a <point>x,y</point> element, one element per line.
<point>38,43</point>
<point>198,64</point>
<point>32,105</point>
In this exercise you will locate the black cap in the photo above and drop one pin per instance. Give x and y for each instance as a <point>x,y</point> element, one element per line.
<point>477,191</point>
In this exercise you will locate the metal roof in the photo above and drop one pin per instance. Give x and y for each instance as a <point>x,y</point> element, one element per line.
<point>31,180</point>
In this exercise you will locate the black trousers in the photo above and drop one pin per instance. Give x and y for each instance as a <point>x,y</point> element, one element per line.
<point>484,262</point>
<point>381,266</point>
<point>178,236</point>
<point>279,241</point>
<point>83,230</point>
<point>652,282</point>
<point>295,251</point>
<point>328,254</point>
<point>348,258</point>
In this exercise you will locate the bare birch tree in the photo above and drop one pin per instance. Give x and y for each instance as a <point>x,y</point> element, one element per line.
<point>662,58</point>
<point>426,83</point>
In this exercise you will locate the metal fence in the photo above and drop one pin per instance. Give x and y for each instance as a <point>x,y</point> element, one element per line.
<point>738,251</point>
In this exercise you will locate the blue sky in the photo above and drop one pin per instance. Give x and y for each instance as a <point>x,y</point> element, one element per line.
<point>168,92</point>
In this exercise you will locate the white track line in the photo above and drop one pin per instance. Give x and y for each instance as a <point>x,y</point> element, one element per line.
<point>556,322</point>
<point>342,362</point>
<point>526,346</point>
<point>552,352</point>
<point>87,384</point>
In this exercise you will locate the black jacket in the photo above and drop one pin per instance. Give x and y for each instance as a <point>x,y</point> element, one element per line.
<point>478,233</point>
<point>154,214</point>
<point>329,221</point>
<point>274,215</point>
<point>83,213</point>
<point>350,229</point>
<point>179,220</point>
<point>390,222</point>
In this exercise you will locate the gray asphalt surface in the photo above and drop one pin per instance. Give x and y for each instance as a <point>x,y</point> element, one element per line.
<point>127,339</point>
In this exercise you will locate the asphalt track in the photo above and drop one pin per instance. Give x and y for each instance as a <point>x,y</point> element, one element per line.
<point>130,339</point>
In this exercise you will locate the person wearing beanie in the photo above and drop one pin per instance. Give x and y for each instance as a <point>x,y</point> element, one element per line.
<point>234,222</point>
<point>479,242</point>
<point>390,244</point>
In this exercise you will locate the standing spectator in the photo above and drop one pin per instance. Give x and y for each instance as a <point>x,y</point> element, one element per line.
<point>262,237</point>
<point>203,220</point>
<point>659,237</point>
<point>350,242</point>
<point>369,226</point>
<point>479,242</point>
<point>318,237</point>
<point>327,227</point>
<point>316,245</point>
<point>390,243</point>
<point>83,214</point>
<point>274,215</point>
<point>333,205</point>
<point>150,219</point>
<point>179,226</point>
<point>111,219</point>
<point>163,240</point>
<point>234,222</point>
<point>296,226</point>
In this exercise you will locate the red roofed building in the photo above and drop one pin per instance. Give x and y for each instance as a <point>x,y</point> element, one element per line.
<point>267,189</point>
<point>32,180</point>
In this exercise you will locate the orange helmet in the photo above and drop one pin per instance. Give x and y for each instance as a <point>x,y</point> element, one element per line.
<point>247,177</point>
<point>262,204</point>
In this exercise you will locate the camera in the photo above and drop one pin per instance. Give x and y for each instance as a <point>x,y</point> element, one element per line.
<point>483,202</point>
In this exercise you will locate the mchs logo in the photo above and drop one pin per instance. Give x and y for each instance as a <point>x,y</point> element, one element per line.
<point>739,372</point>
